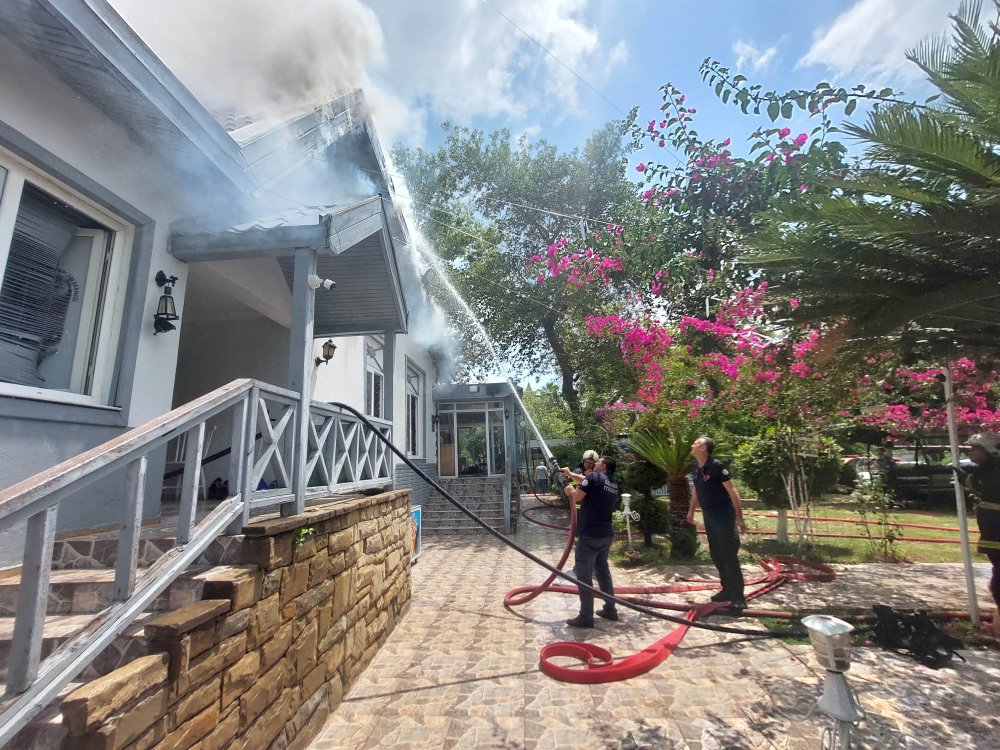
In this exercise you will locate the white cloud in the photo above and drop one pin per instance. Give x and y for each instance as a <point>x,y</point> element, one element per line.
<point>747,53</point>
<point>416,61</point>
<point>871,37</point>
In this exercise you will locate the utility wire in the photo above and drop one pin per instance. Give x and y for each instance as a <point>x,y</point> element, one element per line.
<point>550,212</point>
<point>580,78</point>
<point>551,54</point>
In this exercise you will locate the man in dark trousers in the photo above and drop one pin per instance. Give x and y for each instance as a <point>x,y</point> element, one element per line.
<point>984,450</point>
<point>598,494</point>
<point>722,512</point>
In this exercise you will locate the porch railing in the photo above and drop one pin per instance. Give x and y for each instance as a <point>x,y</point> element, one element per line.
<point>341,455</point>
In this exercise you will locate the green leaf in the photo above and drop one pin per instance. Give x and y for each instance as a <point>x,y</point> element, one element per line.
<point>773,109</point>
<point>786,110</point>
<point>718,88</point>
<point>851,106</point>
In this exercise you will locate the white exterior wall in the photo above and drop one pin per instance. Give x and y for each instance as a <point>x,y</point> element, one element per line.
<point>75,131</point>
<point>43,430</point>
<point>343,379</point>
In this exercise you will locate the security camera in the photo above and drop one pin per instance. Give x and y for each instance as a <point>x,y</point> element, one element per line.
<point>315,282</point>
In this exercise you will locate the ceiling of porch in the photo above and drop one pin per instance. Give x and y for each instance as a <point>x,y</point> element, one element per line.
<point>354,248</point>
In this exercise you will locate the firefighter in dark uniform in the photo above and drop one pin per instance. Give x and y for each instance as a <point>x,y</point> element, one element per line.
<point>984,481</point>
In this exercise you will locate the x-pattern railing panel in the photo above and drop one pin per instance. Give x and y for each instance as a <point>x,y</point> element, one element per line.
<point>274,441</point>
<point>346,451</point>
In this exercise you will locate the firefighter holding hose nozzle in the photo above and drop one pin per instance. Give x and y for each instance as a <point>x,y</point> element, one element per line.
<point>598,494</point>
<point>984,482</point>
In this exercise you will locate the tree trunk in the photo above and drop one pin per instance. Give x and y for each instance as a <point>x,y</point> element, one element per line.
<point>679,492</point>
<point>782,535</point>
<point>565,366</point>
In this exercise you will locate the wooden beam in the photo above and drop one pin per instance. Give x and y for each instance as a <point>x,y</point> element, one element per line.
<point>251,243</point>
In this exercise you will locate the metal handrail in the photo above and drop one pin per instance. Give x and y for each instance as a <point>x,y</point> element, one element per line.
<point>32,682</point>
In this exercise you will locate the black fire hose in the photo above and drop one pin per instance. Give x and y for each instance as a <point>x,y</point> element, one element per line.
<point>552,568</point>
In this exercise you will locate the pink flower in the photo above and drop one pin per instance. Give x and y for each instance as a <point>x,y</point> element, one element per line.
<point>793,303</point>
<point>784,132</point>
<point>800,139</point>
<point>803,187</point>
<point>727,142</point>
<point>769,157</point>
<point>647,194</point>
<point>641,168</point>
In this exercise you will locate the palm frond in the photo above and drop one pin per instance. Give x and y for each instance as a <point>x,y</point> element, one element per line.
<point>664,449</point>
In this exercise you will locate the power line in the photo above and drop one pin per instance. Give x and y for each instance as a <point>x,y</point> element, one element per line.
<point>579,77</point>
<point>551,54</point>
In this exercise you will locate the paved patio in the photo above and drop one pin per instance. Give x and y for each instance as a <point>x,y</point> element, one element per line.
<point>460,671</point>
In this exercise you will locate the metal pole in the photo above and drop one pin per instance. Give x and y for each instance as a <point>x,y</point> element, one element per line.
<point>963,521</point>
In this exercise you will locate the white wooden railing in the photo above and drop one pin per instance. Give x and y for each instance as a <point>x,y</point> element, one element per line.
<point>342,454</point>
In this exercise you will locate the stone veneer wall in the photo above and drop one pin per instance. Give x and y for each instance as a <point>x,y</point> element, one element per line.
<point>265,657</point>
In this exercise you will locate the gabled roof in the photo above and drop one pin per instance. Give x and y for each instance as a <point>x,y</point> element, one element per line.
<point>356,251</point>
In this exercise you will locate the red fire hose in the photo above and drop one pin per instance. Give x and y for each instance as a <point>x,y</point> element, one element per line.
<point>598,664</point>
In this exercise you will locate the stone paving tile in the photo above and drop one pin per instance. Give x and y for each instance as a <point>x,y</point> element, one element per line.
<point>461,671</point>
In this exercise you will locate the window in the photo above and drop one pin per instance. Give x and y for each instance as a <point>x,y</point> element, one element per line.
<point>414,410</point>
<point>63,264</point>
<point>471,439</point>
<point>374,377</point>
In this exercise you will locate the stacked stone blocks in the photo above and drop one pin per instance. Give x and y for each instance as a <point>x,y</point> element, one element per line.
<point>264,658</point>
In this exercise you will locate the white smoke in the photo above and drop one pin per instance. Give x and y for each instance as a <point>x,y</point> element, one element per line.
<point>258,56</point>
<point>417,62</point>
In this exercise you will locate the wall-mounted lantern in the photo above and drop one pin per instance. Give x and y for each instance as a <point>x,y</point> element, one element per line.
<point>329,349</point>
<point>166,311</point>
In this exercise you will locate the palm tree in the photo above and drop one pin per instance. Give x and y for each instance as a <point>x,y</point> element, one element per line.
<point>908,244</point>
<point>671,453</point>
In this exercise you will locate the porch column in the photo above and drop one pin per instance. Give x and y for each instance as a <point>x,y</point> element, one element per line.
<point>300,370</point>
<point>510,470</point>
<point>389,373</point>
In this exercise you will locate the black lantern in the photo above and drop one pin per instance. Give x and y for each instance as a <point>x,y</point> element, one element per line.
<point>329,349</point>
<point>165,309</point>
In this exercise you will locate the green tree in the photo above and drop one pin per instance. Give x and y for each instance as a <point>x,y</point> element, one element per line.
<point>904,247</point>
<point>771,462</point>
<point>489,206</point>
<point>671,453</point>
<point>548,411</point>
<point>643,476</point>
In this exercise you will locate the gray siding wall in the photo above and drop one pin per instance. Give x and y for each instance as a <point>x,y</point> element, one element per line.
<point>407,478</point>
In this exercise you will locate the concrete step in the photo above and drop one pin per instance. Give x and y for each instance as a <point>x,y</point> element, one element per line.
<point>130,645</point>
<point>100,550</point>
<point>459,517</point>
<point>89,590</point>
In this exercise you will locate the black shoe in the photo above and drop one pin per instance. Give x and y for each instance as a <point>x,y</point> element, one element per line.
<point>608,614</point>
<point>721,596</point>
<point>580,622</point>
<point>739,605</point>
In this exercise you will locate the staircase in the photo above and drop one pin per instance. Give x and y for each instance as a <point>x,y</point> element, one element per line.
<point>482,495</point>
<point>82,584</point>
